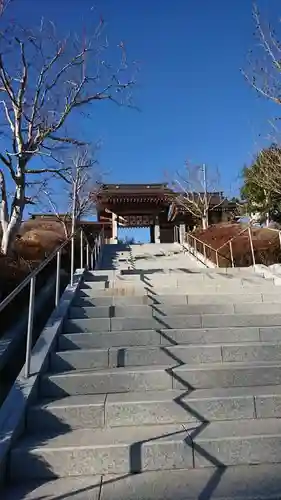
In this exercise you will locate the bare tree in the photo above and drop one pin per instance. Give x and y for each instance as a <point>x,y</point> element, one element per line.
<point>197,192</point>
<point>82,181</point>
<point>44,80</point>
<point>264,72</point>
<point>86,181</point>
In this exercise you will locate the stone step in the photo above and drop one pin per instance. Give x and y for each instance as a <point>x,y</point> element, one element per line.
<point>237,442</point>
<point>232,374</point>
<point>119,324</point>
<point>158,321</point>
<point>133,311</point>
<point>260,351</point>
<point>151,247</point>
<point>241,482</point>
<point>66,488</point>
<point>222,271</point>
<point>167,337</point>
<point>176,279</point>
<point>157,378</point>
<point>95,359</point>
<point>188,284</point>
<point>61,415</point>
<point>154,408</point>
<point>130,291</point>
<point>99,451</point>
<point>105,381</point>
<point>125,450</point>
<point>84,299</point>
<point>108,339</point>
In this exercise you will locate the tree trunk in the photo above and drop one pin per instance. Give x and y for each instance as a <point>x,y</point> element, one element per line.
<point>11,230</point>
<point>205,221</point>
<point>267,220</point>
<point>267,202</point>
<point>9,235</point>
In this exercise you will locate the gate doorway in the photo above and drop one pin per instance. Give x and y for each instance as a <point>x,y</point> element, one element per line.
<point>132,235</point>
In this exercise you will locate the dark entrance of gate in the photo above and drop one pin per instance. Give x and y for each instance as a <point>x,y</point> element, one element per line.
<point>149,205</point>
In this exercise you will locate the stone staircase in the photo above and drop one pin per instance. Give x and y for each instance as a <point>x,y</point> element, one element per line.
<point>161,368</point>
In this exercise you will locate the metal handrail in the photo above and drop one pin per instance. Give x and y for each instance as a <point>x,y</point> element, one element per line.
<point>33,274</point>
<point>31,280</point>
<point>249,230</point>
<point>234,237</point>
<point>202,242</point>
<point>273,229</point>
<point>229,243</point>
<point>276,231</point>
<point>204,247</point>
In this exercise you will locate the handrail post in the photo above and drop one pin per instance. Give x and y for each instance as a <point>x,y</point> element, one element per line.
<point>92,260</point>
<point>95,252</point>
<point>72,251</point>
<point>29,327</point>
<point>57,298</point>
<point>251,245</point>
<point>88,255</point>
<point>231,253</point>
<point>195,245</point>
<point>217,258</point>
<point>279,238</point>
<point>204,251</point>
<point>81,249</point>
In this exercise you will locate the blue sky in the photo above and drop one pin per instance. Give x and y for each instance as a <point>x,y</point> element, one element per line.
<point>194,103</point>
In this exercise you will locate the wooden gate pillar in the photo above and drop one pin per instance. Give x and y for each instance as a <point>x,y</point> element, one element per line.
<point>114,235</point>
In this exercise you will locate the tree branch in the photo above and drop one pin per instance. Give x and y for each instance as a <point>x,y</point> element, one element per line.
<point>263,38</point>
<point>67,140</point>
<point>8,163</point>
<point>55,171</point>
<point>39,85</point>
<point>23,82</point>
<point>8,116</point>
<point>6,82</point>
<point>72,62</point>
<point>263,78</point>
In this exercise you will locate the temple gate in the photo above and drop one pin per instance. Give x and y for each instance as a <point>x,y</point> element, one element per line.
<point>153,206</point>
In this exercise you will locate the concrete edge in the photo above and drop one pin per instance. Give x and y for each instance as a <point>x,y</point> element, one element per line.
<point>259,269</point>
<point>13,410</point>
<point>198,257</point>
<point>268,273</point>
<point>275,268</point>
